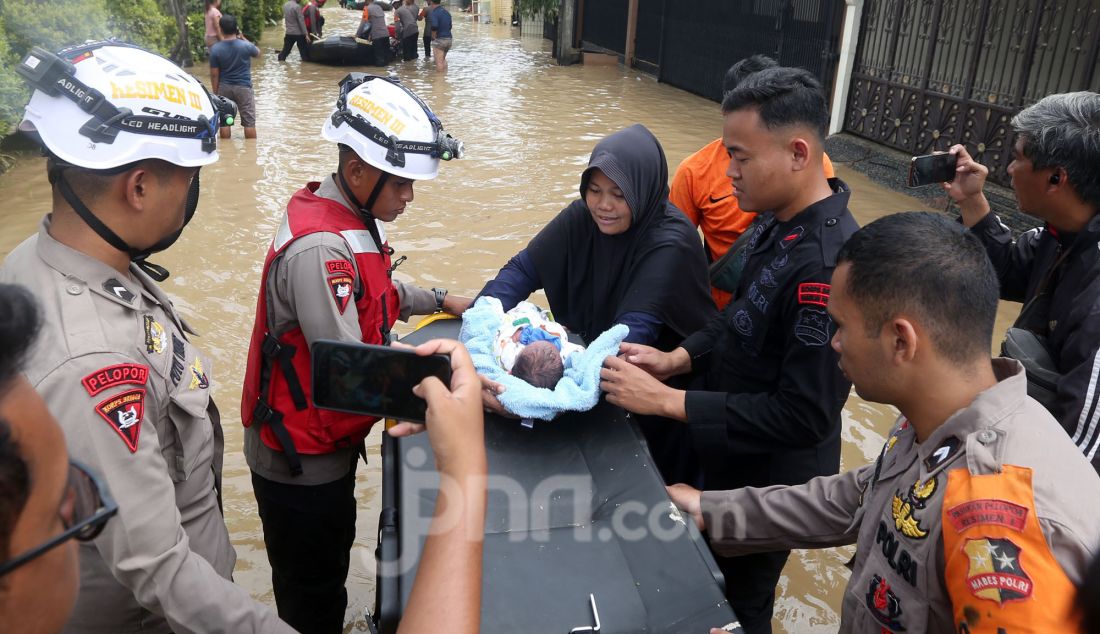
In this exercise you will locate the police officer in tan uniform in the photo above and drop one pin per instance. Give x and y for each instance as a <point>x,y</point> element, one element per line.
<point>978,514</point>
<point>328,275</point>
<point>125,132</point>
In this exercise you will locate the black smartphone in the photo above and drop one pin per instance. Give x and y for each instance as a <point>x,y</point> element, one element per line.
<point>932,168</point>
<point>373,380</point>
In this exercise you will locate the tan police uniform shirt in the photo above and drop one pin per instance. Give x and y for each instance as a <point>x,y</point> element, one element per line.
<point>299,295</point>
<point>935,552</point>
<point>132,394</point>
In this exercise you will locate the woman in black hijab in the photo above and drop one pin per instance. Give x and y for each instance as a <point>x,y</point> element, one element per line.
<point>621,254</point>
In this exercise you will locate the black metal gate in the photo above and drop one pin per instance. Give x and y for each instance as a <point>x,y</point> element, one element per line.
<point>605,24</point>
<point>931,73</point>
<point>702,39</point>
<point>650,31</point>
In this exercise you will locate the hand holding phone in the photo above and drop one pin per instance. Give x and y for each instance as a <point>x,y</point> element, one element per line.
<point>932,168</point>
<point>373,380</point>
<point>455,421</point>
<point>966,189</point>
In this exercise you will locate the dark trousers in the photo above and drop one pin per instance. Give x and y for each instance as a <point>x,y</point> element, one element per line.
<point>428,44</point>
<point>750,587</point>
<point>308,531</point>
<point>381,46</point>
<point>409,48</point>
<point>288,43</point>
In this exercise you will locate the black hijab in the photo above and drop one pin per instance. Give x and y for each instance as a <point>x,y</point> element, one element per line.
<point>657,266</point>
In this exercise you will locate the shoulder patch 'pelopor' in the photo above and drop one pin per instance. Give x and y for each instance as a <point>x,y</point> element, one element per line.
<point>112,375</point>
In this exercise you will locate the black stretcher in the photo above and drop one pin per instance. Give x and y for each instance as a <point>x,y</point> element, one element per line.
<point>553,559</point>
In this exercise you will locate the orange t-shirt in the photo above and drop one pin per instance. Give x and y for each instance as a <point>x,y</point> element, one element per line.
<point>701,189</point>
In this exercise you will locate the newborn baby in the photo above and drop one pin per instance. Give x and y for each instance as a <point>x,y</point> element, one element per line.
<point>532,347</point>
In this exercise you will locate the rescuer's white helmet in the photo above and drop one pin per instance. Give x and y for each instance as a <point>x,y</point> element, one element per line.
<point>106,104</point>
<point>389,127</point>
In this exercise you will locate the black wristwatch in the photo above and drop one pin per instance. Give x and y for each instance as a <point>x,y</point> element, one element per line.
<point>440,295</point>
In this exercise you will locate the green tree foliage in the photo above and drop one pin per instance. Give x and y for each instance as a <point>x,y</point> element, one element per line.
<point>53,24</point>
<point>250,15</point>
<point>532,8</point>
<point>273,12</point>
<point>38,23</point>
<point>142,22</point>
<point>196,35</point>
<point>13,94</point>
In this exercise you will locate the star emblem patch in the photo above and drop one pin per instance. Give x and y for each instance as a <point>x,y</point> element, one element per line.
<point>995,572</point>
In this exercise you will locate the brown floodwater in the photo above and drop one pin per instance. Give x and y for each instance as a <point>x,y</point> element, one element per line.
<point>529,127</point>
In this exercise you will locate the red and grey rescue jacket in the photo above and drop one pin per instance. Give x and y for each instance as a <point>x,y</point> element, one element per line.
<point>277,390</point>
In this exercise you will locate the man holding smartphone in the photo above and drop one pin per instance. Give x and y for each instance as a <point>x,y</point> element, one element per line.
<point>327,275</point>
<point>1053,269</point>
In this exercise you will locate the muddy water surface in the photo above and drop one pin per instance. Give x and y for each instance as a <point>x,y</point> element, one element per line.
<point>528,126</point>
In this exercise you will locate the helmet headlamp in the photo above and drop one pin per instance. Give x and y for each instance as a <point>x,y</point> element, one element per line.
<point>443,146</point>
<point>55,76</point>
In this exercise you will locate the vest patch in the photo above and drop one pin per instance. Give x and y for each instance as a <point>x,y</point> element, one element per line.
<point>179,357</point>
<point>115,288</point>
<point>340,285</point>
<point>899,559</point>
<point>124,412</point>
<point>814,294</point>
<point>812,327</point>
<point>903,508</point>
<point>742,323</point>
<point>942,453</point>
<point>995,571</point>
<point>789,239</point>
<point>156,340</point>
<point>339,266</point>
<point>198,376</point>
<point>987,511</point>
<point>112,375</point>
<point>884,604</point>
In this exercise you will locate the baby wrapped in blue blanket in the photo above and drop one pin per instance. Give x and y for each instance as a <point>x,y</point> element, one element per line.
<point>532,346</point>
<point>489,339</point>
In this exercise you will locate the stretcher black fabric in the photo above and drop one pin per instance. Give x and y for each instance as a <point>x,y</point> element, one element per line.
<point>556,491</point>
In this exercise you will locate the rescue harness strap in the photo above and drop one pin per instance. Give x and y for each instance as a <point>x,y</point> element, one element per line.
<point>264,413</point>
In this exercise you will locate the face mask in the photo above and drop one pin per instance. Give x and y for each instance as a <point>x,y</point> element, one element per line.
<point>137,256</point>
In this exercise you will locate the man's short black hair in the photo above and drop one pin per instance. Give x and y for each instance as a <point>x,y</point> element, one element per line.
<point>228,24</point>
<point>784,96</point>
<point>19,323</point>
<point>89,184</point>
<point>927,266</point>
<point>742,69</point>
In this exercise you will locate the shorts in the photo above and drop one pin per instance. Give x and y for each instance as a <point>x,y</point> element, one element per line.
<point>443,43</point>
<point>246,104</point>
